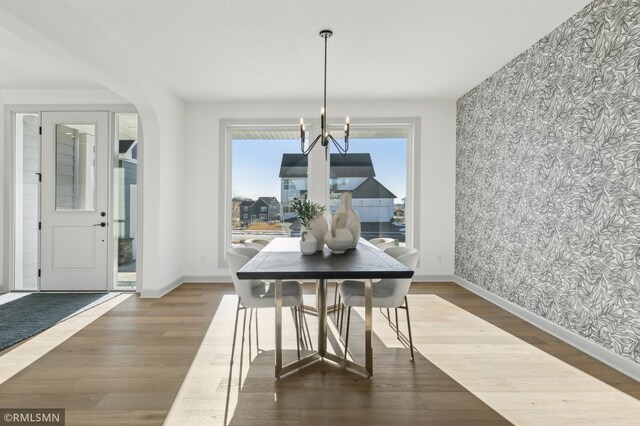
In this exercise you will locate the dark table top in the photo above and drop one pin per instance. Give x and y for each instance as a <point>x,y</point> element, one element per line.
<point>363,262</point>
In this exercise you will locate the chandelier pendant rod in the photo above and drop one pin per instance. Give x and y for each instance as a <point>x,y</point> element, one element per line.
<point>325,142</point>
<point>324,137</point>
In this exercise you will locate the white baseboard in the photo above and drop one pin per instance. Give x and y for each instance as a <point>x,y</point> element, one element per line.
<point>159,292</point>
<point>207,279</point>
<point>432,278</point>
<point>604,355</point>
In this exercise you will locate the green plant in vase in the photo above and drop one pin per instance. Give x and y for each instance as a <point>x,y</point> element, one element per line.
<point>308,211</point>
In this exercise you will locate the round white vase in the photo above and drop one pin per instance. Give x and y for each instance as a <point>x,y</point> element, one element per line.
<point>353,220</point>
<point>319,227</point>
<point>307,241</point>
<point>338,238</point>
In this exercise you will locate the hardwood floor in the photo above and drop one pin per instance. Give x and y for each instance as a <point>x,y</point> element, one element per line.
<point>124,368</point>
<point>147,359</point>
<point>530,334</point>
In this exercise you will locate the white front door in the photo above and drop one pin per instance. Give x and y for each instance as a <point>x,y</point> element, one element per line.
<point>74,206</point>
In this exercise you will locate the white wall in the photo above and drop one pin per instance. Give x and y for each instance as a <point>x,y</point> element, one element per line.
<point>60,97</point>
<point>169,233</point>
<point>436,186</point>
<point>86,49</point>
<point>163,191</point>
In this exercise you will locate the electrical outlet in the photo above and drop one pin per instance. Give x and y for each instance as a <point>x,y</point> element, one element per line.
<point>203,259</point>
<point>439,258</point>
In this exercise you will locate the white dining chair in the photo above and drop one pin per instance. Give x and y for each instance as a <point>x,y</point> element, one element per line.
<point>381,244</point>
<point>388,293</point>
<point>377,241</point>
<point>388,244</point>
<point>256,294</point>
<point>256,243</point>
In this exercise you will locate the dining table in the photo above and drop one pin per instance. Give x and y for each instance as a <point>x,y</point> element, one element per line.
<point>282,260</point>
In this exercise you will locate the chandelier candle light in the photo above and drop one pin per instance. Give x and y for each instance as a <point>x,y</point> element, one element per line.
<point>325,136</point>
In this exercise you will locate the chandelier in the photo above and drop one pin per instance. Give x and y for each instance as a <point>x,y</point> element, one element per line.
<point>325,135</point>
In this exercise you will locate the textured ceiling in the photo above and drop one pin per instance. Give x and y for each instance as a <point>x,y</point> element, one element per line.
<point>257,50</point>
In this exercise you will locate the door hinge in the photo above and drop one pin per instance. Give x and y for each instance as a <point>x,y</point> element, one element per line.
<point>39,226</point>
<point>39,272</point>
<point>40,130</point>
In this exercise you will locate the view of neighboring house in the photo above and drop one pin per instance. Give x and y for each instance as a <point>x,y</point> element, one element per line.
<point>355,173</point>
<point>264,209</point>
<point>293,182</point>
<point>244,215</point>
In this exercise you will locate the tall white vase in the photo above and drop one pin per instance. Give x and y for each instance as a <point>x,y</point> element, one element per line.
<point>338,238</point>
<point>353,220</point>
<point>307,242</point>
<point>319,227</point>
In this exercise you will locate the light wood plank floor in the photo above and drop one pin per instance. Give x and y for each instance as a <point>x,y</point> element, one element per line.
<point>145,356</point>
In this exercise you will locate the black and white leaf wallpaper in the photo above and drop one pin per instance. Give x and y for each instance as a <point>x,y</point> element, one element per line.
<point>548,178</point>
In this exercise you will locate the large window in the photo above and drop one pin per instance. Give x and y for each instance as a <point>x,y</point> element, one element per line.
<point>268,171</point>
<point>266,175</point>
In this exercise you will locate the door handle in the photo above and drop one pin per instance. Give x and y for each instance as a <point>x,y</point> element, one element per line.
<point>101,224</point>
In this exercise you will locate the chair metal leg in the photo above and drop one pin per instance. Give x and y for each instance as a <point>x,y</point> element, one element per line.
<point>302,338</point>
<point>388,317</point>
<point>339,311</point>
<point>249,328</point>
<point>240,366</point>
<point>233,349</point>
<point>406,304</point>
<point>397,328</point>
<point>306,326</point>
<point>235,331</point>
<point>341,317</point>
<point>257,342</point>
<point>244,326</point>
<point>295,320</point>
<point>346,339</point>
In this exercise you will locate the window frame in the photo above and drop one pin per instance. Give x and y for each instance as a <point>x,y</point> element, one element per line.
<point>228,126</point>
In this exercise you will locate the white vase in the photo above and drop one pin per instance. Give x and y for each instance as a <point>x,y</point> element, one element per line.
<point>307,241</point>
<point>338,238</point>
<point>353,220</point>
<point>319,227</point>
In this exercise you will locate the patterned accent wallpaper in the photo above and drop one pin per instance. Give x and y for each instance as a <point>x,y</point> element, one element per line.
<point>548,178</point>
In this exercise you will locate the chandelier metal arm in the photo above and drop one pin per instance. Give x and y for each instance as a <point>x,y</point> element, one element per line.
<point>306,152</point>
<point>341,150</point>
